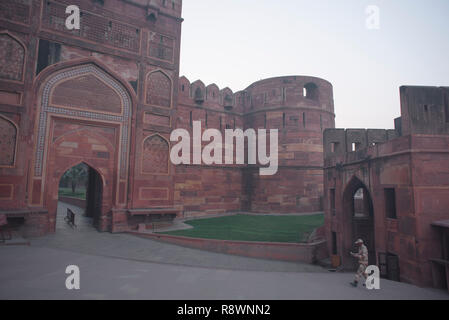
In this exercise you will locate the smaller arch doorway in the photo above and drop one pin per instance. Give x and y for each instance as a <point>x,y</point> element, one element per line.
<point>359,205</point>
<point>81,191</point>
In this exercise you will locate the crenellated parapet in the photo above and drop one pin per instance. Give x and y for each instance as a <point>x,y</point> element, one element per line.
<point>156,7</point>
<point>291,91</point>
<point>197,94</point>
<point>338,142</point>
<point>424,111</point>
<point>264,95</point>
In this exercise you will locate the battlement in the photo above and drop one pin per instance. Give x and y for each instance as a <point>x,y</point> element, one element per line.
<point>290,91</point>
<point>170,7</point>
<point>425,110</point>
<point>211,96</point>
<point>337,142</point>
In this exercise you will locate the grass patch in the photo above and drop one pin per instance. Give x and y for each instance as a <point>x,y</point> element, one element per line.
<point>67,192</point>
<point>253,228</point>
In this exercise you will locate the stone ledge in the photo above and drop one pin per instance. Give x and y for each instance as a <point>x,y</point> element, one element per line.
<point>294,252</point>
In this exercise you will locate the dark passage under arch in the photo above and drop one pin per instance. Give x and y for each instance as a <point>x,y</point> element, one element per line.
<point>82,186</point>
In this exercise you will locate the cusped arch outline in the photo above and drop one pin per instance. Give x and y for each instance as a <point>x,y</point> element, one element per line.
<point>45,109</point>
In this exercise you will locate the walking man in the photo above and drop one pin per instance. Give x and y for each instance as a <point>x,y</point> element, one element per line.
<point>362,256</point>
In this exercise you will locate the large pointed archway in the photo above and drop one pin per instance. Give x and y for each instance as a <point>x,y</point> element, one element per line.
<point>358,219</point>
<point>80,192</point>
<point>83,115</point>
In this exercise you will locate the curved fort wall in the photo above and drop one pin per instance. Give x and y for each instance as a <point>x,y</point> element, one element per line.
<point>299,107</point>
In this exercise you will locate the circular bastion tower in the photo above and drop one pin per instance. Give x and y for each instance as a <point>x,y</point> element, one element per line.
<point>300,107</point>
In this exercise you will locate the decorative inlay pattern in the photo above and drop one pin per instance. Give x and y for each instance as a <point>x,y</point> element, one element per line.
<point>8,138</point>
<point>90,115</point>
<point>86,91</point>
<point>16,10</point>
<point>158,90</point>
<point>155,155</point>
<point>93,27</point>
<point>161,47</point>
<point>12,58</point>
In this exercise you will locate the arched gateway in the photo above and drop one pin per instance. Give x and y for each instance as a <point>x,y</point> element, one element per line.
<point>359,217</point>
<point>83,115</point>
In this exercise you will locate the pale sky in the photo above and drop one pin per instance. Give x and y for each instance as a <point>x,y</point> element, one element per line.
<point>237,42</point>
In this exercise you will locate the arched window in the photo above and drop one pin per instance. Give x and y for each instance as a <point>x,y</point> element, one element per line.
<point>310,91</point>
<point>155,155</point>
<point>8,138</point>
<point>158,89</point>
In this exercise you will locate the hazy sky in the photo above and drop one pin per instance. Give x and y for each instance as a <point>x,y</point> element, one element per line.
<point>237,42</point>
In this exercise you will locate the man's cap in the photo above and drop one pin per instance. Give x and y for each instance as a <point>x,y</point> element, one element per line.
<point>359,241</point>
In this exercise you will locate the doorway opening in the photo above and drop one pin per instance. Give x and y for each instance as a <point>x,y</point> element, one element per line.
<point>359,214</point>
<point>80,197</point>
<point>363,221</point>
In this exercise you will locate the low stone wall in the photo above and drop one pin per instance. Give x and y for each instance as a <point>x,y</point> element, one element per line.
<point>73,201</point>
<point>296,252</point>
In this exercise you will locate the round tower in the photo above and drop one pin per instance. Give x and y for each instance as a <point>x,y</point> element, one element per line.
<point>300,107</point>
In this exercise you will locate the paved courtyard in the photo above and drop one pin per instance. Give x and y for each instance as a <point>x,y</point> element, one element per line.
<point>120,266</point>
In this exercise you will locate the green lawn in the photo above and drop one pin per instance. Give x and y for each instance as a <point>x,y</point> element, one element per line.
<point>253,228</point>
<point>79,193</point>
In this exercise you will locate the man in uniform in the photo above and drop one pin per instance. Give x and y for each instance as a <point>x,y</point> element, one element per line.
<point>362,256</point>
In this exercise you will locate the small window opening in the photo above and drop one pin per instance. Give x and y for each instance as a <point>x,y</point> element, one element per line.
<point>355,146</point>
<point>49,53</point>
<point>310,91</point>
<point>334,147</point>
<point>390,203</point>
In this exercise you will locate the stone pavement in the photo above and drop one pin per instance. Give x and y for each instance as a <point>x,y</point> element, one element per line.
<point>120,266</point>
<point>39,273</point>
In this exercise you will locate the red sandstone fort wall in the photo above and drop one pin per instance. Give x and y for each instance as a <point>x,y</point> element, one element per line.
<point>109,95</point>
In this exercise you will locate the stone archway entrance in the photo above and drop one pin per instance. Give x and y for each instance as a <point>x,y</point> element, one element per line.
<point>81,192</point>
<point>84,116</point>
<point>358,208</point>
